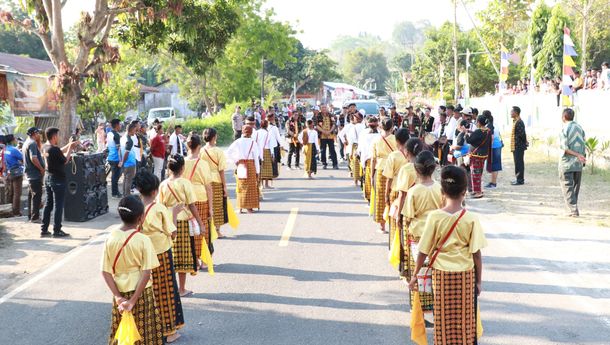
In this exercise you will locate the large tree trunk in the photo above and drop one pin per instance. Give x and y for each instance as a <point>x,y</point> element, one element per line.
<point>67,113</point>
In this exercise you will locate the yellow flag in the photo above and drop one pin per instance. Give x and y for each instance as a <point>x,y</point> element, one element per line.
<point>213,231</point>
<point>372,202</point>
<point>127,333</point>
<point>418,325</point>
<point>566,101</point>
<point>394,255</point>
<point>479,323</point>
<point>386,214</point>
<point>233,220</point>
<point>567,60</point>
<point>206,257</point>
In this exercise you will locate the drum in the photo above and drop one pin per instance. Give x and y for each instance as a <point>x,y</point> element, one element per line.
<point>429,139</point>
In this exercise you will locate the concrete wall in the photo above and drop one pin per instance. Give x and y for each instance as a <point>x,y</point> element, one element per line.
<point>168,97</point>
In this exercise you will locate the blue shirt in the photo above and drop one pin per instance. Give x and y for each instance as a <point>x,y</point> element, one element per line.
<point>127,145</point>
<point>113,139</point>
<point>13,157</point>
<point>497,143</point>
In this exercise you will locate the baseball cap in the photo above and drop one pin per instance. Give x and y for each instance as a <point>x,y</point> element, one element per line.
<point>32,130</point>
<point>362,112</point>
<point>467,111</point>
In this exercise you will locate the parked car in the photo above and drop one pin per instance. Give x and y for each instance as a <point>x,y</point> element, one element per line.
<point>370,106</point>
<point>163,114</point>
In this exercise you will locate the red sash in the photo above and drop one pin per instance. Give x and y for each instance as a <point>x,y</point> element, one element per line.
<point>194,169</point>
<point>210,157</point>
<point>389,146</point>
<point>116,258</point>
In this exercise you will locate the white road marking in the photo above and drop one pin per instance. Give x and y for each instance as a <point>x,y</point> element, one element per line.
<point>292,218</point>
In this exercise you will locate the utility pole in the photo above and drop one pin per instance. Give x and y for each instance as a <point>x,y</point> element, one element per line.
<point>468,54</point>
<point>455,54</point>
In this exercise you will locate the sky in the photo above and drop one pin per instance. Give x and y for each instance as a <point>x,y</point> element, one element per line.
<point>319,22</point>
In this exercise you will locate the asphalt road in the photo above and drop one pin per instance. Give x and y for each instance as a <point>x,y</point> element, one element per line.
<point>330,281</point>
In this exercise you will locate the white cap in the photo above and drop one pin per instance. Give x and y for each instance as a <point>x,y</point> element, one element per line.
<point>467,111</point>
<point>316,108</point>
<point>362,112</point>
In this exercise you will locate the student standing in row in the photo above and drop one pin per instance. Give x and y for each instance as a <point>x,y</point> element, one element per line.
<point>453,239</point>
<point>309,139</point>
<point>381,149</point>
<point>218,164</point>
<point>127,262</point>
<point>159,224</point>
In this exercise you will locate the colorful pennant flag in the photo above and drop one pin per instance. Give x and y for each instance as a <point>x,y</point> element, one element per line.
<point>568,71</point>
<point>504,63</point>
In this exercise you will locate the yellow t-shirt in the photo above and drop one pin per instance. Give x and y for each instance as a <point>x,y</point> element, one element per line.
<point>393,163</point>
<point>217,162</point>
<point>185,194</point>
<point>467,239</point>
<point>382,148</point>
<point>137,256</point>
<point>158,226</point>
<point>200,178</point>
<point>407,177</point>
<point>421,200</point>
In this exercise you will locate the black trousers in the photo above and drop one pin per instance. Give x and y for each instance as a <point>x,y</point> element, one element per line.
<point>518,155</point>
<point>114,180</point>
<point>296,150</point>
<point>236,134</point>
<point>330,144</point>
<point>570,186</point>
<point>341,150</point>
<point>56,191</point>
<point>34,199</point>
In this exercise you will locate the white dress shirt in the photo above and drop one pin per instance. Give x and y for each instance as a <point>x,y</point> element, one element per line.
<point>244,148</point>
<point>312,138</point>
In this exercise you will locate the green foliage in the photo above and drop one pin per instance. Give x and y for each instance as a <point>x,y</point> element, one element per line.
<point>408,34</point>
<point>24,123</point>
<point>539,21</point>
<point>362,66</point>
<point>15,41</point>
<point>502,22</point>
<point>550,58</point>
<point>120,94</point>
<point>592,147</point>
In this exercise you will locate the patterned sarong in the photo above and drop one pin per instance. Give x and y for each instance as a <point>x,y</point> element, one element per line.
<point>476,172</point>
<point>454,307</point>
<point>146,316</point>
<point>380,182</point>
<point>217,200</point>
<point>355,163</point>
<point>185,257</point>
<point>426,299</point>
<point>167,297</point>
<point>266,166</point>
<point>247,189</point>
<point>204,212</point>
<point>367,180</point>
<point>311,166</point>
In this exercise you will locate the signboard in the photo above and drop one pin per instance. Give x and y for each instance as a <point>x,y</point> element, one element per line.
<point>30,95</point>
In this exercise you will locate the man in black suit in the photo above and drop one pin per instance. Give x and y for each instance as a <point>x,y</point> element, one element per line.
<point>518,145</point>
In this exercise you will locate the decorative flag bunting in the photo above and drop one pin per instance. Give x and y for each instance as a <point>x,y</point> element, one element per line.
<point>568,71</point>
<point>504,62</point>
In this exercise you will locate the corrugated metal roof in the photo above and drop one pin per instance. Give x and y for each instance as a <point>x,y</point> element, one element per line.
<point>26,65</point>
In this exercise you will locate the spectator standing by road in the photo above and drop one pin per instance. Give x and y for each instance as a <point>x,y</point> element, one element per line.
<point>175,142</point>
<point>55,184</point>
<point>572,143</point>
<point>128,159</point>
<point>100,137</point>
<point>158,150</point>
<point>237,121</point>
<point>34,171</point>
<point>113,143</point>
<point>518,145</point>
<point>326,127</point>
<point>14,173</point>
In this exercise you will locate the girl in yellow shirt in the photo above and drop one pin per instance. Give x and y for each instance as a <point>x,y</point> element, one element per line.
<point>127,262</point>
<point>380,151</point>
<point>179,190</point>
<point>394,162</point>
<point>159,225</point>
<point>218,164</point>
<point>198,172</point>
<point>422,198</point>
<point>453,239</point>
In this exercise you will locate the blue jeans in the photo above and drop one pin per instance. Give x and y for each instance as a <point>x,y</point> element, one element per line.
<point>116,174</point>
<point>56,191</point>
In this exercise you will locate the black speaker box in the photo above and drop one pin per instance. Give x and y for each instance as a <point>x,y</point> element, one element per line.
<point>86,192</point>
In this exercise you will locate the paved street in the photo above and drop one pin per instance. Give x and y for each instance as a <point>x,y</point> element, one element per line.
<point>329,281</point>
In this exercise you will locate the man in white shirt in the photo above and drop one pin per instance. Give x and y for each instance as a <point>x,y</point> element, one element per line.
<point>452,116</point>
<point>353,136</point>
<point>175,142</point>
<point>367,137</point>
<point>309,139</point>
<point>277,139</point>
<point>244,152</point>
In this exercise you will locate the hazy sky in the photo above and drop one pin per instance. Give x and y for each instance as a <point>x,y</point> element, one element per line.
<point>321,21</point>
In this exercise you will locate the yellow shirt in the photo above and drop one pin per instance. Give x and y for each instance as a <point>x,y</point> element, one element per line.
<point>467,239</point>
<point>185,194</point>
<point>393,163</point>
<point>217,163</point>
<point>158,226</point>
<point>421,200</point>
<point>200,178</point>
<point>407,177</point>
<point>382,148</point>
<point>137,256</point>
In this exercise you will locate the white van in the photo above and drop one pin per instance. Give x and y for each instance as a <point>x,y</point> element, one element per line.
<point>163,114</point>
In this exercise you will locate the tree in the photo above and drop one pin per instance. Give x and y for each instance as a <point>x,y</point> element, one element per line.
<point>502,21</point>
<point>186,27</point>
<point>539,22</point>
<point>550,58</point>
<point>15,41</point>
<point>364,66</point>
<point>408,34</point>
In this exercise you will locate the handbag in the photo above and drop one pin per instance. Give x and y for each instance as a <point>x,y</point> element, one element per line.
<point>424,276</point>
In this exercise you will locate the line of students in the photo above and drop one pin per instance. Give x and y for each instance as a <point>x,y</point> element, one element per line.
<point>435,232</point>
<point>166,231</point>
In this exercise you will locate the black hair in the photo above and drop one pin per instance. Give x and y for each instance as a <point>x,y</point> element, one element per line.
<point>606,64</point>
<point>387,124</point>
<point>453,181</point>
<point>132,126</point>
<point>482,120</point>
<point>465,123</point>
<point>209,134</point>
<point>175,163</point>
<point>568,113</point>
<point>177,126</point>
<point>309,122</point>
<point>250,118</point>
<point>130,209</point>
<point>193,141</point>
<point>475,111</point>
<point>402,135</point>
<point>264,124</point>
<point>443,108</point>
<point>115,122</point>
<point>414,146</point>
<point>424,163</point>
<point>450,107</point>
<point>51,132</point>
<point>517,110</point>
<point>146,182</point>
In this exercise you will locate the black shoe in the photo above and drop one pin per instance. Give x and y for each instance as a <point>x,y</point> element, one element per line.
<point>428,324</point>
<point>517,183</point>
<point>45,234</point>
<point>60,234</point>
<point>324,167</point>
<point>336,167</point>
<point>117,196</point>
